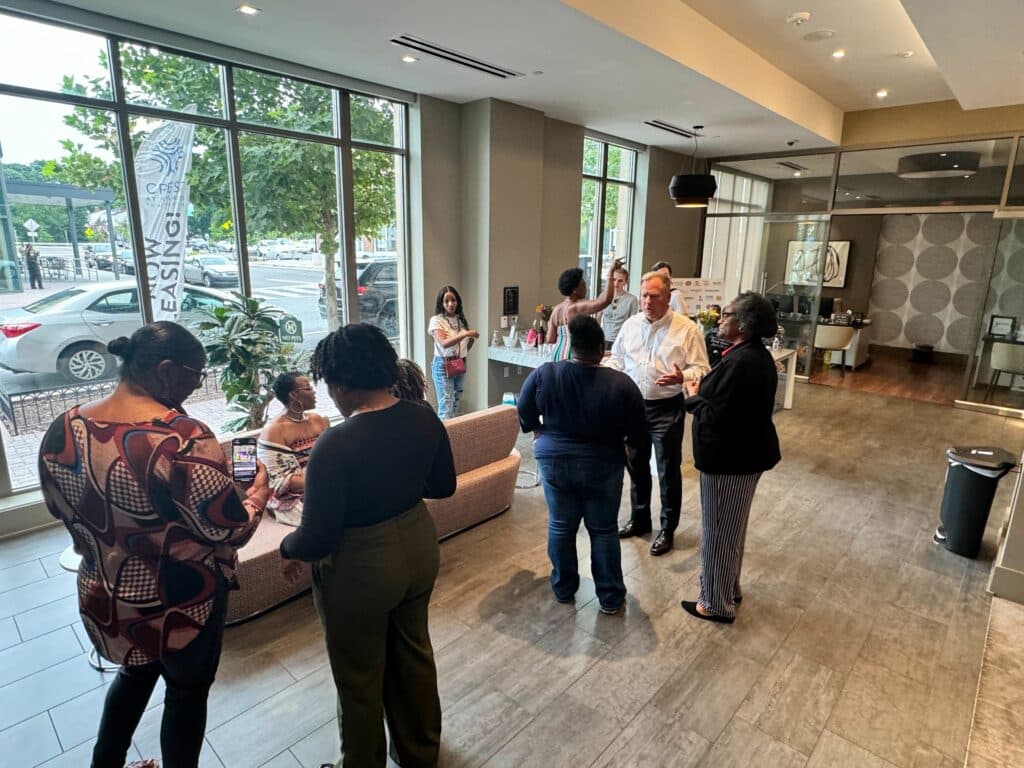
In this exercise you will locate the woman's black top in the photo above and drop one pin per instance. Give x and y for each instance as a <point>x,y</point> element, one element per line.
<point>733,433</point>
<point>368,469</point>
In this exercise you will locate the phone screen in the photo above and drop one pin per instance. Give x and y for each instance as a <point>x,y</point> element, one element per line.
<point>243,460</point>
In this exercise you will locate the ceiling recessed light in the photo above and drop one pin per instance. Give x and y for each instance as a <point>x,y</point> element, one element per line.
<point>409,59</point>
<point>956,165</point>
<point>943,154</point>
<point>967,176</point>
<point>881,93</point>
<point>796,173</point>
<point>905,54</point>
<point>857,197</point>
<point>247,9</point>
<point>838,53</point>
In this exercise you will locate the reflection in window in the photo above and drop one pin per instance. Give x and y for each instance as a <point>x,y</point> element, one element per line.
<point>377,200</point>
<point>961,173</point>
<point>154,78</point>
<point>1015,195</point>
<point>282,102</point>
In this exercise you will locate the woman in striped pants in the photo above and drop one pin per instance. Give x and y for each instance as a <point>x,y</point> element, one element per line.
<point>734,441</point>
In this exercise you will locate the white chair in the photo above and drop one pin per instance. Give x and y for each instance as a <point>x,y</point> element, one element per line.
<point>835,338</point>
<point>1006,358</point>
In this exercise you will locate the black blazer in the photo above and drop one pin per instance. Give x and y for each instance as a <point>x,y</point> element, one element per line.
<point>732,429</point>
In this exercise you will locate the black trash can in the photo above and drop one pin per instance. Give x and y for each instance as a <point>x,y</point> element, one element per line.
<point>971,480</point>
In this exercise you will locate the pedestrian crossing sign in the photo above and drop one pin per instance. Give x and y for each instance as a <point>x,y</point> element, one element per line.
<point>290,329</point>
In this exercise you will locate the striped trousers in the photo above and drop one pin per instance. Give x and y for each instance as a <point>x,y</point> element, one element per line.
<point>724,510</point>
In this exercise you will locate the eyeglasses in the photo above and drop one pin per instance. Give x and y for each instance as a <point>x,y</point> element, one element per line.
<point>200,374</point>
<point>728,314</point>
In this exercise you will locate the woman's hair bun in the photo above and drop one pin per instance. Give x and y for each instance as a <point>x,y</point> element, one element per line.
<point>121,346</point>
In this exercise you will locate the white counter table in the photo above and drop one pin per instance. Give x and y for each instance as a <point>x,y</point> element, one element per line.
<point>532,358</point>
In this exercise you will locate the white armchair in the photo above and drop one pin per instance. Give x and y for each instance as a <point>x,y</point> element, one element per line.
<point>836,338</point>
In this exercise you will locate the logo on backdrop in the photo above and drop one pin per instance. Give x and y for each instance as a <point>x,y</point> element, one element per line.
<point>161,168</point>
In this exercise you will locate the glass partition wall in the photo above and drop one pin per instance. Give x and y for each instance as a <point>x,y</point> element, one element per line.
<point>280,189</point>
<point>924,243</point>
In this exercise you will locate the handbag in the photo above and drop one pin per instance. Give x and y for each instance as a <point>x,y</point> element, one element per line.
<point>454,366</point>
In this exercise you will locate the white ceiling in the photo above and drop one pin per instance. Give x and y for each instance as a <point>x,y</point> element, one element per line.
<point>978,45</point>
<point>872,32</point>
<point>592,75</point>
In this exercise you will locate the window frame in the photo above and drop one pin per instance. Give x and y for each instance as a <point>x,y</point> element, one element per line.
<point>603,180</point>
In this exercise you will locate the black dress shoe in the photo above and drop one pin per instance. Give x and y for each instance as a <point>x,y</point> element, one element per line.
<point>662,544</point>
<point>633,528</point>
<point>691,608</point>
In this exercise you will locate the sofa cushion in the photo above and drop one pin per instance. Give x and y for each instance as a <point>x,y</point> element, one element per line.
<point>482,437</point>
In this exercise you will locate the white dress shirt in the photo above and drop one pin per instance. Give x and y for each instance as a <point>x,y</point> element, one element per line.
<point>646,351</point>
<point>677,303</point>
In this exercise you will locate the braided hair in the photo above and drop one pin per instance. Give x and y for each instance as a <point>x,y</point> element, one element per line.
<point>358,356</point>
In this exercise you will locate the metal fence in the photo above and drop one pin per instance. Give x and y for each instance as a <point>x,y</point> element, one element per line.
<point>26,412</point>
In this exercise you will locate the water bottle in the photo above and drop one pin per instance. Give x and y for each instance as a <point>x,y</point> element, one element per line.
<point>780,338</point>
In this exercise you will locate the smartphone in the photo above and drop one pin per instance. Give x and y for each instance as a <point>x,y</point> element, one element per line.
<point>243,459</point>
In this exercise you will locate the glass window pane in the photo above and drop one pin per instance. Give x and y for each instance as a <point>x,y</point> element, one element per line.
<point>593,157</point>
<point>964,173</point>
<point>153,78</point>
<point>76,289</point>
<point>378,185</point>
<point>796,184</point>
<point>282,102</point>
<point>377,121</point>
<point>618,203</point>
<point>590,208</point>
<point>621,163</point>
<point>1016,193</point>
<point>27,58</point>
<point>291,212</point>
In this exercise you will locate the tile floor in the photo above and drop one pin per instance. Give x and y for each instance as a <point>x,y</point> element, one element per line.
<point>859,642</point>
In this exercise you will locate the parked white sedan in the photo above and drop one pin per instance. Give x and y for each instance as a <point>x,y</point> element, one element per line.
<point>68,331</point>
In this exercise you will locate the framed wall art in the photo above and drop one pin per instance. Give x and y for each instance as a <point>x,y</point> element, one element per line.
<point>807,262</point>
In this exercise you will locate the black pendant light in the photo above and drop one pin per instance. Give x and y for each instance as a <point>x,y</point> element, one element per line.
<point>692,190</point>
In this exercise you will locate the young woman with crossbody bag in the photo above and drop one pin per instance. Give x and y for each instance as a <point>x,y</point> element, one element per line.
<point>453,338</point>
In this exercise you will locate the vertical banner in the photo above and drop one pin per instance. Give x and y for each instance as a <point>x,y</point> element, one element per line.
<point>161,170</point>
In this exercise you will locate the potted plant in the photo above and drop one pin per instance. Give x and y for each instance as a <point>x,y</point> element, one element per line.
<point>245,340</point>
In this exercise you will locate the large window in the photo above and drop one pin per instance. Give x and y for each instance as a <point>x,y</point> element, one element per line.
<point>606,210</point>
<point>246,182</point>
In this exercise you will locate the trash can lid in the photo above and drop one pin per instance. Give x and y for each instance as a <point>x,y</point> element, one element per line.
<point>982,456</point>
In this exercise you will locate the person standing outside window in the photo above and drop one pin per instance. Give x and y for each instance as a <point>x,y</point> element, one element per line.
<point>453,338</point>
<point>623,307</point>
<point>659,350</point>
<point>676,301</point>
<point>35,272</point>
<point>581,413</point>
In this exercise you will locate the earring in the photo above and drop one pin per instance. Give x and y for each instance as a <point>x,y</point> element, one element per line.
<point>297,411</point>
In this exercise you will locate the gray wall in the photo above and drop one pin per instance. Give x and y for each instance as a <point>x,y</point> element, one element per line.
<point>559,248</point>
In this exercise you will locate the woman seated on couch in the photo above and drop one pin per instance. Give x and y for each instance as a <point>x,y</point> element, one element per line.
<point>285,443</point>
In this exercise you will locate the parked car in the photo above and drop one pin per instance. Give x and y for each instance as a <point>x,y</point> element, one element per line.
<point>377,289</point>
<point>210,270</point>
<point>67,332</point>
<point>102,258</point>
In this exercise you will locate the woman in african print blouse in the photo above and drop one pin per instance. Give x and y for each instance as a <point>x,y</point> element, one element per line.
<point>152,509</point>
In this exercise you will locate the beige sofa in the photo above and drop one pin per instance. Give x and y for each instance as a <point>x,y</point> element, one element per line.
<point>486,465</point>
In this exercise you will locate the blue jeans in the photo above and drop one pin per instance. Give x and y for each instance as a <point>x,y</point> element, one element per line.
<point>587,490</point>
<point>449,390</point>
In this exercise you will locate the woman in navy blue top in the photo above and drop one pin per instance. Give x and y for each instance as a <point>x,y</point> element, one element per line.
<point>582,414</point>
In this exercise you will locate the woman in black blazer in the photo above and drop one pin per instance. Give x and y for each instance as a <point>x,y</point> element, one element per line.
<point>734,441</point>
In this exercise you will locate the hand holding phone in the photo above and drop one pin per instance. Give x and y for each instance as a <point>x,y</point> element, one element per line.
<point>243,460</point>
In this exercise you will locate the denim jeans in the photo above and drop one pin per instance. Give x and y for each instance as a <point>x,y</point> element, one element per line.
<point>587,490</point>
<point>449,390</point>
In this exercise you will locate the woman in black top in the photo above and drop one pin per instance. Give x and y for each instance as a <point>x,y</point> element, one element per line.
<point>734,441</point>
<point>374,550</point>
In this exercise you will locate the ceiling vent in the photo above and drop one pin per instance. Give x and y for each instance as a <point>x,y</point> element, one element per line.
<point>453,56</point>
<point>793,166</point>
<point>671,128</point>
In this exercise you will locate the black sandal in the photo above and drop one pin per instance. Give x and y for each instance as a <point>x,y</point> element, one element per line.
<point>691,608</point>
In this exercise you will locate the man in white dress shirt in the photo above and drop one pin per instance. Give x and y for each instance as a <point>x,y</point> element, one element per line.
<point>676,301</point>
<point>659,350</point>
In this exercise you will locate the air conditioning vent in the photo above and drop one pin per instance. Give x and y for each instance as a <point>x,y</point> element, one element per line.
<point>672,128</point>
<point>455,57</point>
<point>793,166</point>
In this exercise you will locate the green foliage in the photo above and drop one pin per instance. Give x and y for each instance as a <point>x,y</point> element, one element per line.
<point>245,340</point>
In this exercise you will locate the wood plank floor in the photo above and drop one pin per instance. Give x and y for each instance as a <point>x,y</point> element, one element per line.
<point>858,642</point>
